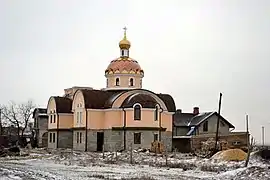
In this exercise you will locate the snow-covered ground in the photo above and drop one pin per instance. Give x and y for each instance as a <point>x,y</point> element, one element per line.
<point>85,165</point>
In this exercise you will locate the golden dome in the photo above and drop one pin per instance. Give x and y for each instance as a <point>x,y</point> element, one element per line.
<point>124,43</point>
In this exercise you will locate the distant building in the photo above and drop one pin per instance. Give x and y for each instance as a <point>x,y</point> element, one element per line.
<point>41,126</point>
<point>114,118</point>
<point>190,129</point>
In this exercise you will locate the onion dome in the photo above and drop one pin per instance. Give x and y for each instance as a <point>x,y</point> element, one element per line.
<point>124,43</point>
<point>124,64</point>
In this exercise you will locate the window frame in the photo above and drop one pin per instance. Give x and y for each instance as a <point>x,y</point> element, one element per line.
<point>54,118</point>
<point>156,113</point>
<point>80,138</point>
<point>131,82</point>
<point>155,137</point>
<point>54,134</point>
<point>137,138</point>
<point>117,81</point>
<point>205,126</point>
<point>77,117</point>
<point>50,137</point>
<point>137,107</point>
<point>80,117</point>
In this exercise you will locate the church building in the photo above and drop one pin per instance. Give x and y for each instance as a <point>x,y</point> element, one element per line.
<point>114,118</point>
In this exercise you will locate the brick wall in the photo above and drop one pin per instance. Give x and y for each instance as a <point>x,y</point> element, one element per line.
<point>232,138</point>
<point>65,139</point>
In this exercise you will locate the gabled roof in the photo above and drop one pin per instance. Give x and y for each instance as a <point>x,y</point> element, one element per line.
<point>182,119</point>
<point>200,118</point>
<point>190,119</point>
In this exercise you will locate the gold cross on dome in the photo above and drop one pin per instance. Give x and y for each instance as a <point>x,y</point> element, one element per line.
<point>125,32</point>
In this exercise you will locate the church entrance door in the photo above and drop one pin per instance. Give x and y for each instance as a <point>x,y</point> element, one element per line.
<point>100,141</point>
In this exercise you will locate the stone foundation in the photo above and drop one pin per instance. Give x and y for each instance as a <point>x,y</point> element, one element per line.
<point>65,139</point>
<point>113,139</point>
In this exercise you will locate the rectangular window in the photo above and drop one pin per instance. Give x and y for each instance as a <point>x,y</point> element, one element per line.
<point>51,118</point>
<point>80,117</point>
<point>205,126</point>
<point>77,114</point>
<point>175,131</point>
<point>155,137</point>
<point>156,114</point>
<point>235,143</point>
<point>137,112</point>
<point>50,138</point>
<point>77,137</point>
<point>53,137</point>
<point>80,137</point>
<point>54,118</point>
<point>137,138</point>
<point>222,123</point>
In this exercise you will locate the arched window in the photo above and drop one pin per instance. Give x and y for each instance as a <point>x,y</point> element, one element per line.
<point>137,112</point>
<point>131,82</point>
<point>117,82</point>
<point>156,113</point>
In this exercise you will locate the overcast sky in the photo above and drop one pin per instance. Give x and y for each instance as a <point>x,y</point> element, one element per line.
<point>191,49</point>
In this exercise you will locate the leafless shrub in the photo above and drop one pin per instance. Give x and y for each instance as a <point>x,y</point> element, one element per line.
<point>98,176</point>
<point>144,177</point>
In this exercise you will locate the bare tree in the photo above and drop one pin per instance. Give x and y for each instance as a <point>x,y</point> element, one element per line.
<point>18,115</point>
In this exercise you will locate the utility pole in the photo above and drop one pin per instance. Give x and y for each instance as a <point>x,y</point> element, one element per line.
<point>1,128</point>
<point>263,136</point>
<point>247,130</point>
<point>219,109</point>
<point>249,145</point>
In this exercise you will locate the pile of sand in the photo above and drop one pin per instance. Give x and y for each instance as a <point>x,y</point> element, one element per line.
<point>230,155</point>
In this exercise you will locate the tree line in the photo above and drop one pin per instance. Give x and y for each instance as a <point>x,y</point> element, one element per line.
<point>18,115</point>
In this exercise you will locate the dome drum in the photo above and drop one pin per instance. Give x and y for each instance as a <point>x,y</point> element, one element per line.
<point>122,69</point>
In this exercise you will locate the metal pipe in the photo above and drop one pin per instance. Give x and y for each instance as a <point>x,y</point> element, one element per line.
<point>57,145</point>
<point>86,131</point>
<point>247,124</point>
<point>124,127</point>
<point>1,127</point>
<point>263,136</point>
<point>160,119</point>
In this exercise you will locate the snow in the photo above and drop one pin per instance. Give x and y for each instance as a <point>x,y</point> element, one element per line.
<point>67,164</point>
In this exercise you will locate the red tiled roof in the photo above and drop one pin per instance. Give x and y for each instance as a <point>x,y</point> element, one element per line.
<point>121,64</point>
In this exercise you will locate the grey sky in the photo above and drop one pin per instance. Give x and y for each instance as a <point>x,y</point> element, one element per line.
<point>191,49</point>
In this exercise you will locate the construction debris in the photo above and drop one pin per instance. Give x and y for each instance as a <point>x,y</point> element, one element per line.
<point>157,147</point>
<point>230,155</point>
<point>12,151</point>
